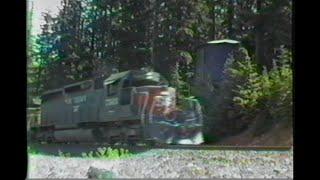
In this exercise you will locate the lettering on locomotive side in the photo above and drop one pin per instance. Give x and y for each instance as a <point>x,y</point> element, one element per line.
<point>111,101</point>
<point>79,99</point>
<point>76,108</point>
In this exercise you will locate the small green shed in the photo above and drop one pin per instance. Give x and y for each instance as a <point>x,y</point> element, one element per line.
<point>211,59</point>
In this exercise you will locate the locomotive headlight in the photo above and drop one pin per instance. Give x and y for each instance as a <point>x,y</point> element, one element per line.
<point>164,93</point>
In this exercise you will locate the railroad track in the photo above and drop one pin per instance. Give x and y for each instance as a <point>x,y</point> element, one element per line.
<point>225,147</point>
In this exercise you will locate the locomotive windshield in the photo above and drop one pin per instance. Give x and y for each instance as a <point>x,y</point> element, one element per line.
<point>136,79</point>
<point>144,82</point>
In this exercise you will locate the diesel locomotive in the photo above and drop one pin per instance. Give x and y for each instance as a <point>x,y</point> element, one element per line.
<point>129,106</point>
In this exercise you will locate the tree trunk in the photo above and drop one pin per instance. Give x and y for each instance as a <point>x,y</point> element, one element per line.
<point>230,19</point>
<point>110,32</point>
<point>213,20</point>
<point>259,44</point>
<point>153,33</point>
<point>29,34</point>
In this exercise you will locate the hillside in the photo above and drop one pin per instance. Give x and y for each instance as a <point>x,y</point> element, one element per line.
<point>278,135</point>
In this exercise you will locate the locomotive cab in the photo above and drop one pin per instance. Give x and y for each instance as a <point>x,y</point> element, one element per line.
<point>121,84</point>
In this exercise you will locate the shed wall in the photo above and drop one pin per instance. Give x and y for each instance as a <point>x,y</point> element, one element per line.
<point>211,62</point>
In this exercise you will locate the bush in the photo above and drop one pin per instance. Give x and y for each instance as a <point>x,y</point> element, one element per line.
<point>108,153</point>
<point>267,90</point>
<point>62,154</point>
<point>179,82</point>
<point>250,95</point>
<point>33,151</point>
<point>267,93</point>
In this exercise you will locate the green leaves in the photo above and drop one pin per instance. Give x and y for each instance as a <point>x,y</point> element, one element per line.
<point>33,151</point>
<point>187,31</point>
<point>186,56</point>
<point>62,154</point>
<point>108,153</point>
<point>256,91</point>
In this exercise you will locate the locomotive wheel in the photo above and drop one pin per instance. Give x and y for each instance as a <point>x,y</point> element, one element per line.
<point>131,142</point>
<point>98,135</point>
<point>50,136</point>
<point>33,134</point>
<point>150,143</point>
<point>112,141</point>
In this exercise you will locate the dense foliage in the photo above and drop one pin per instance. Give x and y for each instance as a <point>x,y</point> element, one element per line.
<point>251,96</point>
<point>90,37</point>
<point>264,91</point>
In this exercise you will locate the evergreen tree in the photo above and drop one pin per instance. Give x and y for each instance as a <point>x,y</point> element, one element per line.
<point>90,37</point>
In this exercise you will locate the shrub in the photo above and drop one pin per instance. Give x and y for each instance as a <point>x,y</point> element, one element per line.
<point>62,154</point>
<point>108,153</point>
<point>180,82</point>
<point>249,95</point>
<point>32,150</point>
<point>266,92</point>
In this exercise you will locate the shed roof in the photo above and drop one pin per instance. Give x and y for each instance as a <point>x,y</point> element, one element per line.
<point>230,41</point>
<point>218,42</point>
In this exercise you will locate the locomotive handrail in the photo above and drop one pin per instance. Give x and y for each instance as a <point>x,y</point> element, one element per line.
<point>133,91</point>
<point>144,106</point>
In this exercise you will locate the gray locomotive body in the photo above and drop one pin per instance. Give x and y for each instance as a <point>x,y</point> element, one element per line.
<point>131,105</point>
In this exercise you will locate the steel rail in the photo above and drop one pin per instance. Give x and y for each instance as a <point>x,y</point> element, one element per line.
<point>191,147</point>
<point>225,147</point>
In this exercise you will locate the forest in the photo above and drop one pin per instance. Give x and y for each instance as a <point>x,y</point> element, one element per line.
<point>89,38</point>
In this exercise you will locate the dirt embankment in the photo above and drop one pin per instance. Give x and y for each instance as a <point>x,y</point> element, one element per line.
<point>279,134</point>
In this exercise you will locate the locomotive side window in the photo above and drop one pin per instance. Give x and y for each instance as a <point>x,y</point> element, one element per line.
<point>144,82</point>
<point>98,82</point>
<point>126,83</point>
<point>112,88</point>
<point>125,92</point>
<point>73,89</point>
<point>86,85</point>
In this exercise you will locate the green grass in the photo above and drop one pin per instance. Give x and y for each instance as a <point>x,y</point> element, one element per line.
<point>108,153</point>
<point>100,153</point>
<point>62,154</point>
<point>33,151</point>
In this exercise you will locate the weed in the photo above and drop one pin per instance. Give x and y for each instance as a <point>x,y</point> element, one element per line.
<point>32,150</point>
<point>62,154</point>
<point>108,153</point>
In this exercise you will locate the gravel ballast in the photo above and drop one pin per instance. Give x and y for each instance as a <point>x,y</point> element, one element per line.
<point>164,163</point>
